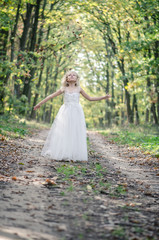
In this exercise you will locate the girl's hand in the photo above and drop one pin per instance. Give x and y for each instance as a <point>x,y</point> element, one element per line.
<point>107,96</point>
<point>36,107</point>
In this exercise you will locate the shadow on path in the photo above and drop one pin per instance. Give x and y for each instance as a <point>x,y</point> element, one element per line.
<point>106,198</point>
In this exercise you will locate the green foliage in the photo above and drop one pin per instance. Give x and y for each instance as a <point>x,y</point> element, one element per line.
<point>67,170</point>
<point>119,232</point>
<point>145,137</point>
<point>111,44</point>
<point>12,126</point>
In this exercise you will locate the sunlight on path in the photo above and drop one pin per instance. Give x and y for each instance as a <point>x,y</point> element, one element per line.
<point>113,155</point>
<point>91,202</point>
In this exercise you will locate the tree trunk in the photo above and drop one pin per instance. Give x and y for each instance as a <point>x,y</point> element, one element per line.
<point>23,40</point>
<point>135,110</point>
<point>46,92</point>
<point>157,91</point>
<point>13,32</point>
<point>129,110</point>
<point>3,79</point>
<point>153,107</point>
<point>153,110</point>
<point>53,86</point>
<point>156,55</point>
<point>125,81</point>
<point>127,94</point>
<point>32,115</point>
<point>122,111</point>
<point>107,112</point>
<point>27,80</point>
<point>147,115</point>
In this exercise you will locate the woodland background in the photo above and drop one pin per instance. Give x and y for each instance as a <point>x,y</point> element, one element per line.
<point>112,44</point>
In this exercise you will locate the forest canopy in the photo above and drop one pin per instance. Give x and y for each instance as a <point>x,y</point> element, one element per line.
<point>113,45</point>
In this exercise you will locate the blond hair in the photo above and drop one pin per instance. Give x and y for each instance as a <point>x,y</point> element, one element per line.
<point>64,80</point>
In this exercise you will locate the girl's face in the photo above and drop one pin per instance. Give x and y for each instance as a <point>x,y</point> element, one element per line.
<point>71,77</point>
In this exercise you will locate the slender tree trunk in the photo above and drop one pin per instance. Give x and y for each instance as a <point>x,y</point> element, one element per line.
<point>13,32</point>
<point>12,40</point>
<point>27,80</point>
<point>108,113</point>
<point>22,45</point>
<point>135,106</point>
<point>153,110</point>
<point>46,92</point>
<point>53,87</point>
<point>112,89</point>
<point>122,111</point>
<point>32,115</point>
<point>26,21</point>
<point>108,55</point>
<point>153,106</point>
<point>3,55</point>
<point>147,115</point>
<point>135,110</point>
<point>125,80</point>
<point>157,91</point>
<point>156,55</point>
<point>127,94</point>
<point>148,91</point>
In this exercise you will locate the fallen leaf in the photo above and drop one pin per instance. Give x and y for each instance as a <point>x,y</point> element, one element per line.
<point>14,178</point>
<point>62,227</point>
<point>89,188</point>
<point>50,182</point>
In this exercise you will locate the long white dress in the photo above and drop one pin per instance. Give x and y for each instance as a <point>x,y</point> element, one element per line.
<point>67,137</point>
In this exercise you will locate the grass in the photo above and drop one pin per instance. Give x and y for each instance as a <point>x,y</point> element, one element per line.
<point>67,170</point>
<point>12,127</point>
<point>119,232</point>
<point>74,175</point>
<point>15,127</point>
<point>145,137</point>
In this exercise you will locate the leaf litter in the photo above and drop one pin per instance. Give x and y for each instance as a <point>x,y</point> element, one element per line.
<point>113,196</point>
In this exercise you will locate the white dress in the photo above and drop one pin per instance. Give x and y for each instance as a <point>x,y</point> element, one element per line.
<point>67,137</point>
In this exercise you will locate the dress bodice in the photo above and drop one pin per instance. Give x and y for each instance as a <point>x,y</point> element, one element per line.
<point>71,98</point>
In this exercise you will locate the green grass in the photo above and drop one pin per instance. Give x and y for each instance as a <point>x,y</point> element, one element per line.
<point>74,177</point>
<point>119,232</point>
<point>144,137</point>
<point>67,170</point>
<point>12,126</point>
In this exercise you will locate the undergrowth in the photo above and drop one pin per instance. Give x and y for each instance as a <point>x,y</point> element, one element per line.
<point>145,137</point>
<point>12,126</point>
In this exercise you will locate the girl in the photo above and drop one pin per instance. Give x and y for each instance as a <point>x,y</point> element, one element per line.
<point>67,137</point>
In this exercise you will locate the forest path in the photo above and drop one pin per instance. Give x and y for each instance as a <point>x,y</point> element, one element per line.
<point>112,196</point>
<point>131,162</point>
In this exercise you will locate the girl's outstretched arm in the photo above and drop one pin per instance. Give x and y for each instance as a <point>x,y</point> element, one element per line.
<point>55,94</point>
<point>84,94</point>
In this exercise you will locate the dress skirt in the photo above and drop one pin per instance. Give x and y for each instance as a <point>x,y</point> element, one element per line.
<point>67,137</point>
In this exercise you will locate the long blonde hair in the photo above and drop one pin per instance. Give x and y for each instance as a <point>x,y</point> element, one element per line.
<point>64,79</point>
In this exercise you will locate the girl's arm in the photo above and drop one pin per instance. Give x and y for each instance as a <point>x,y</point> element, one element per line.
<point>55,94</point>
<point>84,94</point>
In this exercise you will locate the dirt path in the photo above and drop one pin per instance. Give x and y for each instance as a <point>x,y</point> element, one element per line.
<point>113,196</point>
<point>132,163</point>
